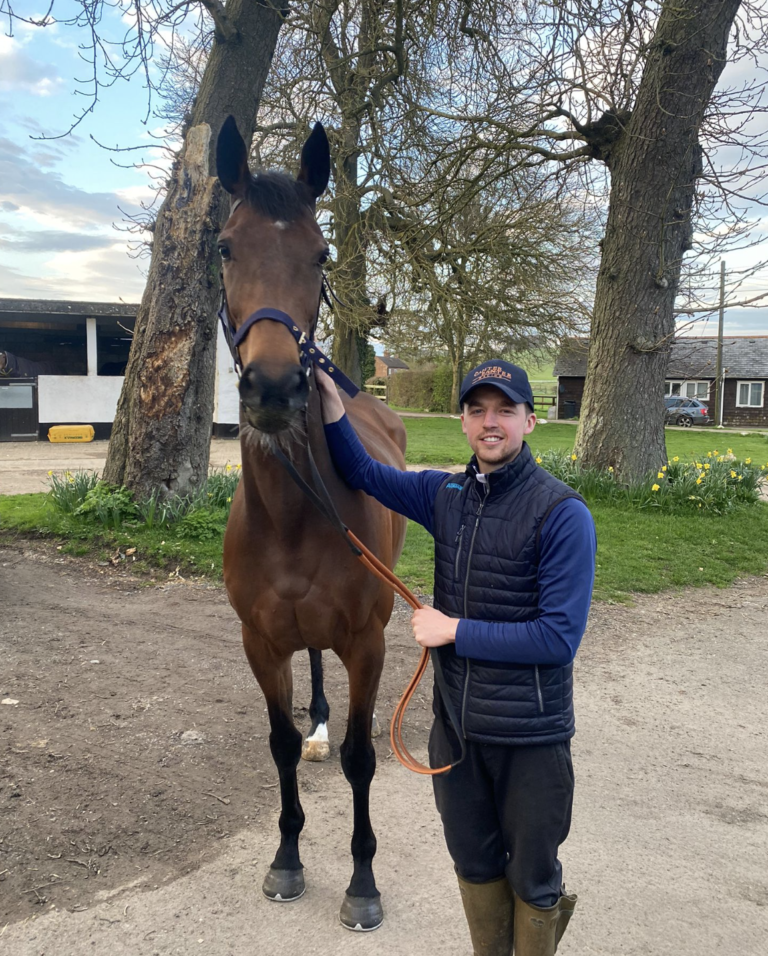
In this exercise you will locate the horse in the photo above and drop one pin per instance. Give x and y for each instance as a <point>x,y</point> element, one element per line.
<point>294,583</point>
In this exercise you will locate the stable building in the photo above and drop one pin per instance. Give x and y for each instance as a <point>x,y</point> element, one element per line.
<point>73,358</point>
<point>691,373</point>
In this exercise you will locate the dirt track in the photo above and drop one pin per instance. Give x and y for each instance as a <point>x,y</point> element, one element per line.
<point>138,810</point>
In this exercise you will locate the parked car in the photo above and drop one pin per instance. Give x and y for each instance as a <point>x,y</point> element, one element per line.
<point>685,411</point>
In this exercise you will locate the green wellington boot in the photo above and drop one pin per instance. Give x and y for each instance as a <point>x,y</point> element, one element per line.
<point>489,909</point>
<point>538,930</point>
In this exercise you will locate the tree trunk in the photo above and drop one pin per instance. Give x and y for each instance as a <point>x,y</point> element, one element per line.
<point>654,167</point>
<point>162,429</point>
<point>349,336</point>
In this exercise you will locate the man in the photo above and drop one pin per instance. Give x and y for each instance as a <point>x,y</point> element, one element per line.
<point>514,568</point>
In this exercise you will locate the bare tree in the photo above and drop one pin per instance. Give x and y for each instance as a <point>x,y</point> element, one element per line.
<point>162,429</point>
<point>624,94</point>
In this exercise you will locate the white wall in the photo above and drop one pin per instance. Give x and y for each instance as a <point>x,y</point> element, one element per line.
<point>226,403</point>
<point>78,399</point>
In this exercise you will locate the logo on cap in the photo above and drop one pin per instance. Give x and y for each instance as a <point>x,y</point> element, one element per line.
<point>495,371</point>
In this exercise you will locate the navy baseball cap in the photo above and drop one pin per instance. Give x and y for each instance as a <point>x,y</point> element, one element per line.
<point>509,378</point>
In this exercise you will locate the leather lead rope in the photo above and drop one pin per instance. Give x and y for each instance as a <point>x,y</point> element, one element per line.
<point>321,499</point>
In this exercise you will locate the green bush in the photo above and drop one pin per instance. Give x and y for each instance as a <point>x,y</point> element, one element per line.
<point>715,484</point>
<point>429,389</point>
<point>69,490</point>
<point>108,504</point>
<point>202,525</point>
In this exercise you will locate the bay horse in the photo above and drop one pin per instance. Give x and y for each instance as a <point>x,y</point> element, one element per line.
<point>294,582</point>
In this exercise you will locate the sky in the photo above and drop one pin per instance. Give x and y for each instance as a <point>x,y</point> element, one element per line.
<point>62,201</point>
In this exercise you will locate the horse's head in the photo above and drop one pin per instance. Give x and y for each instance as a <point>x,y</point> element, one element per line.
<point>272,255</point>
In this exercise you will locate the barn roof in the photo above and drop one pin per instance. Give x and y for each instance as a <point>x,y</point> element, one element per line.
<point>744,356</point>
<point>40,307</point>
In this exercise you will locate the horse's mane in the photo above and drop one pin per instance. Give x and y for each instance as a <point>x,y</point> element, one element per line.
<point>278,196</point>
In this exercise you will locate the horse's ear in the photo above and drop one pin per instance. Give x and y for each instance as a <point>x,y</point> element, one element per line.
<point>232,159</point>
<point>316,161</point>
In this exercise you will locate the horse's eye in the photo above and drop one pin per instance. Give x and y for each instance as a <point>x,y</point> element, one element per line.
<point>224,252</point>
<point>324,256</point>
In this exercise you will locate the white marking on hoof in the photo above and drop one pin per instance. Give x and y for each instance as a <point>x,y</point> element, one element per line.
<point>316,747</point>
<point>375,727</point>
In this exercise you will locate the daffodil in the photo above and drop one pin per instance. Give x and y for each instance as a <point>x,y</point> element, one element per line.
<point>655,487</point>
<point>660,474</point>
<point>663,467</point>
<point>50,473</point>
<point>733,473</point>
<point>715,452</point>
<point>698,481</point>
<point>574,457</point>
<point>709,454</point>
<point>748,461</point>
<point>707,466</point>
<point>729,451</point>
<point>538,460</point>
<point>741,477</point>
<point>229,467</point>
<point>229,500</point>
<point>610,468</point>
<point>676,458</point>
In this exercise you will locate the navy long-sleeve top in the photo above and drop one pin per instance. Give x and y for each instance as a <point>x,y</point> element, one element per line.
<point>566,564</point>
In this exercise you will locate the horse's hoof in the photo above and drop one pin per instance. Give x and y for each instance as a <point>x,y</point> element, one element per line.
<point>315,750</point>
<point>283,886</point>
<point>361,914</point>
<point>375,727</point>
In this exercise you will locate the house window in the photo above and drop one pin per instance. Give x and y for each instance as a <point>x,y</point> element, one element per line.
<point>749,394</point>
<point>692,389</point>
<point>698,390</point>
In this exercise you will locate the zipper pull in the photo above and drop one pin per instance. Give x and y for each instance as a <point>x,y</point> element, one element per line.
<point>459,533</point>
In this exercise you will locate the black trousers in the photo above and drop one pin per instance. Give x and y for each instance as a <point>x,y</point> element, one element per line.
<point>505,810</point>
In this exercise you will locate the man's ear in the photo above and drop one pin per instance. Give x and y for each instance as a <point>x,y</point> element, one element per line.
<point>530,423</point>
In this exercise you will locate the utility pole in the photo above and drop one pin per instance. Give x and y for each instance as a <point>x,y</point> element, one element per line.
<point>719,364</point>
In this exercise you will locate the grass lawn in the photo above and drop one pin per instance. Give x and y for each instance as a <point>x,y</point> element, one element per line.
<point>638,549</point>
<point>440,441</point>
<point>644,551</point>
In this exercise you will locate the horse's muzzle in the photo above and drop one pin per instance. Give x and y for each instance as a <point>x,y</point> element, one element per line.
<point>271,403</point>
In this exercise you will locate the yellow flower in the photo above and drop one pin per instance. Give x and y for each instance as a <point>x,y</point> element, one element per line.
<point>50,473</point>
<point>238,467</point>
<point>709,454</point>
<point>691,497</point>
<point>741,477</point>
<point>574,457</point>
<point>538,460</point>
<point>707,466</point>
<point>715,452</point>
<point>610,468</point>
<point>733,473</point>
<point>660,474</point>
<point>701,569</point>
<point>655,487</point>
<point>748,461</point>
<point>229,500</point>
<point>729,451</point>
<point>663,467</point>
<point>676,458</point>
<point>698,481</point>
<point>229,467</point>
<point>698,464</point>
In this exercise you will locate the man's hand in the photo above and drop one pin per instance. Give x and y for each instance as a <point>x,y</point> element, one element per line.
<point>333,408</point>
<point>432,628</point>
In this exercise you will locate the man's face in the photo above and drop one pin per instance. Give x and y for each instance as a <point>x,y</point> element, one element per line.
<point>495,426</point>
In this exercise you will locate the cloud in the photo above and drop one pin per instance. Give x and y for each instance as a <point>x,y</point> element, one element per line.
<point>9,206</point>
<point>104,275</point>
<point>20,73</point>
<point>50,240</point>
<point>46,196</point>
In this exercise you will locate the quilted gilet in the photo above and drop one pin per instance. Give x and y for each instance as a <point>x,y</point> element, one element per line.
<point>486,562</point>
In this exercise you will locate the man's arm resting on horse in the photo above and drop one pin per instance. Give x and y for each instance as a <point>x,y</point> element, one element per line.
<point>408,493</point>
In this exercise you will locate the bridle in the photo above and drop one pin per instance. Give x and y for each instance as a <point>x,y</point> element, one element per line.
<point>310,354</point>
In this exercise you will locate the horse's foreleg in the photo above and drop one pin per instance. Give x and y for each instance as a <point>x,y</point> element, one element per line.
<point>361,909</point>
<point>285,878</point>
<point>316,746</point>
